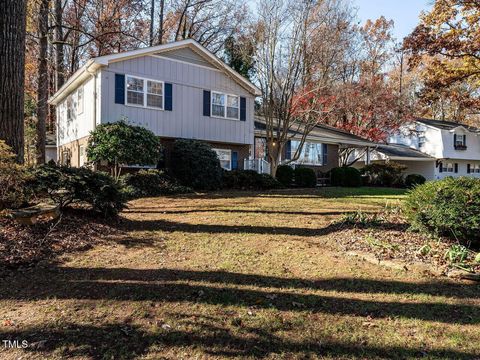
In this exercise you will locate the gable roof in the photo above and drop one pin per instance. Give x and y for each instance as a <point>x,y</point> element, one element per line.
<point>446,125</point>
<point>94,64</point>
<point>323,133</point>
<point>395,151</point>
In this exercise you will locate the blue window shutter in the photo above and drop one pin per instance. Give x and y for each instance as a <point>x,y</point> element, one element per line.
<point>168,97</point>
<point>288,150</point>
<point>119,89</point>
<point>234,160</point>
<point>206,103</point>
<point>243,109</point>
<point>440,167</point>
<point>456,168</point>
<point>324,154</point>
<point>465,140</point>
<point>468,169</point>
<point>454,139</point>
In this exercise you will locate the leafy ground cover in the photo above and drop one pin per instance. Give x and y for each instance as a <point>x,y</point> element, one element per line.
<point>237,274</point>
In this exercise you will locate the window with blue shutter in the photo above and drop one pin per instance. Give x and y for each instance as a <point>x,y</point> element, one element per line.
<point>456,168</point>
<point>119,89</point>
<point>243,109</point>
<point>234,160</point>
<point>168,97</point>
<point>206,103</point>
<point>324,154</point>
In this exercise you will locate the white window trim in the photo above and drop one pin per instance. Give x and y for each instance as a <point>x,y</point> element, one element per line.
<point>227,150</point>
<point>225,107</point>
<point>145,93</point>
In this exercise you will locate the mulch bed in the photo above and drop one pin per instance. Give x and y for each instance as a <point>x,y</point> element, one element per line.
<point>389,238</point>
<point>26,245</point>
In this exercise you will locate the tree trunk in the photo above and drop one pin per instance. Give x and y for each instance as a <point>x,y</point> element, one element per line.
<point>59,46</point>
<point>12,64</point>
<point>42,87</point>
<point>152,21</point>
<point>160,31</point>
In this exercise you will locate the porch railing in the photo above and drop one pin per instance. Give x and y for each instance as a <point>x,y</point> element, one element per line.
<point>259,165</point>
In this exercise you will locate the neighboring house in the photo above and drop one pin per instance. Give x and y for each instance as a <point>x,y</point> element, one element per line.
<point>434,149</point>
<point>416,162</point>
<point>320,150</point>
<point>176,90</point>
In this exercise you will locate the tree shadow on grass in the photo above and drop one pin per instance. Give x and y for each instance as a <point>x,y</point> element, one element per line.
<point>119,341</point>
<point>173,226</point>
<point>162,285</point>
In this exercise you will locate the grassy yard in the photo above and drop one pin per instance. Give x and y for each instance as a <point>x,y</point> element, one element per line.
<point>241,274</point>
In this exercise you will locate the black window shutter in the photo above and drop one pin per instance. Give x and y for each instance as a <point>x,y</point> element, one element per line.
<point>465,140</point>
<point>456,168</point>
<point>288,150</point>
<point>206,103</point>
<point>440,167</point>
<point>119,89</point>
<point>468,169</point>
<point>243,109</point>
<point>324,154</point>
<point>454,139</point>
<point>168,97</point>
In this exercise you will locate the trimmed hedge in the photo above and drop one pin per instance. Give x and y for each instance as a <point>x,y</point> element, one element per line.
<point>67,185</point>
<point>249,180</point>
<point>345,176</point>
<point>305,177</point>
<point>413,180</point>
<point>196,165</point>
<point>389,174</point>
<point>285,174</point>
<point>449,207</point>
<point>149,183</point>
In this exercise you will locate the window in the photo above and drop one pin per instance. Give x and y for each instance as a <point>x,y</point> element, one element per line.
<point>134,91</point>
<point>82,155</point>
<point>459,140</point>
<point>155,94</point>
<point>447,167</point>
<point>311,153</point>
<point>225,157</point>
<point>474,168</point>
<point>144,92</point>
<point>421,138</point>
<point>80,100</point>
<point>70,108</point>
<point>226,106</point>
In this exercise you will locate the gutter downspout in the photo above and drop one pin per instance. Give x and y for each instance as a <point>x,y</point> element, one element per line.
<point>94,75</point>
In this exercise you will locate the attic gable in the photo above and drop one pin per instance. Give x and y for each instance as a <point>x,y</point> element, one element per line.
<point>186,55</point>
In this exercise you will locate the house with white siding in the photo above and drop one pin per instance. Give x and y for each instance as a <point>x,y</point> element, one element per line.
<point>176,90</point>
<point>434,149</point>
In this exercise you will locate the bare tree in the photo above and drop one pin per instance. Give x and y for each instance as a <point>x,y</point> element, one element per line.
<point>295,79</point>
<point>12,60</point>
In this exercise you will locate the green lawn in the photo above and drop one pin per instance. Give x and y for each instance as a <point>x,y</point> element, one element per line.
<point>242,275</point>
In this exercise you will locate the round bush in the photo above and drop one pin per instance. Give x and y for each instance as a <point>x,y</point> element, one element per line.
<point>248,180</point>
<point>67,185</point>
<point>449,207</point>
<point>305,177</point>
<point>196,165</point>
<point>345,176</point>
<point>388,174</point>
<point>147,183</point>
<point>285,175</point>
<point>412,180</point>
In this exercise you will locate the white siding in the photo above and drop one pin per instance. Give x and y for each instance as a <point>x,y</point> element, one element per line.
<point>81,124</point>
<point>473,145</point>
<point>186,120</point>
